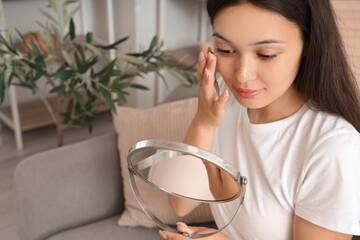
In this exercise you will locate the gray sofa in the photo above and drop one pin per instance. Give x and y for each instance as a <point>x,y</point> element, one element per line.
<point>75,192</point>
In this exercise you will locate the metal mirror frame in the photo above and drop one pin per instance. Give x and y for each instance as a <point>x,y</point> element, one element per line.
<point>172,149</point>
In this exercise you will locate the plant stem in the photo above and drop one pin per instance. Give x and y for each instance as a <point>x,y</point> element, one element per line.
<point>56,118</point>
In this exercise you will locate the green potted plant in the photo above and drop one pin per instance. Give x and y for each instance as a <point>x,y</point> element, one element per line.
<point>79,79</point>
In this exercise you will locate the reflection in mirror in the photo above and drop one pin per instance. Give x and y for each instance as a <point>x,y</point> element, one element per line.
<point>185,172</point>
<point>182,175</point>
<point>186,176</point>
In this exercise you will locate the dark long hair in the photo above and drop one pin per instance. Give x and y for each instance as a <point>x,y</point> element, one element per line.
<point>324,75</point>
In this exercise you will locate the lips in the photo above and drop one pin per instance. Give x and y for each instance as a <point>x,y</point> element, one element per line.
<point>248,93</point>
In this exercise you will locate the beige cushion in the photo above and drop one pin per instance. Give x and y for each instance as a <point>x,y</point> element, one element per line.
<point>169,122</point>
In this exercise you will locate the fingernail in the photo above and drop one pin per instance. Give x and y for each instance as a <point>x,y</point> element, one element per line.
<point>162,234</point>
<point>181,224</point>
<point>202,56</point>
<point>209,50</point>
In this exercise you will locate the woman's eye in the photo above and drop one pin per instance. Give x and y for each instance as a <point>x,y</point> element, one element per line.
<point>267,57</point>
<point>223,51</point>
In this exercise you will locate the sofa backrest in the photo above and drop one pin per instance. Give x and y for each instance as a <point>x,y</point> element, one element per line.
<point>67,187</point>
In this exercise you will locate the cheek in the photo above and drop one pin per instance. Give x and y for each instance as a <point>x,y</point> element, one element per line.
<point>224,67</point>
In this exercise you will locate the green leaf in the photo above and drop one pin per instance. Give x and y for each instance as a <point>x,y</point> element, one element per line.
<point>113,46</point>
<point>53,5</point>
<point>89,64</point>
<point>72,29</point>
<point>105,79</point>
<point>64,6</point>
<point>139,86</point>
<point>126,76</point>
<point>91,99</point>
<point>11,49</point>
<point>47,15</point>
<point>108,101</point>
<point>116,72</point>
<point>123,85</point>
<point>160,59</point>
<point>78,62</point>
<point>105,70</point>
<point>59,88</point>
<point>37,76</point>
<point>2,86</point>
<point>89,37</point>
<point>3,51</point>
<point>121,96</point>
<point>153,43</point>
<point>94,49</point>
<point>32,65</point>
<point>80,50</point>
<point>67,58</point>
<point>23,85</point>
<point>179,76</point>
<point>11,77</point>
<point>70,16</point>
<point>57,32</point>
<point>79,99</point>
<point>61,74</point>
<point>135,54</point>
<point>131,59</point>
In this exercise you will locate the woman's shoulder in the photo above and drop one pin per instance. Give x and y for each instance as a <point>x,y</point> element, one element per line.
<point>327,130</point>
<point>326,123</point>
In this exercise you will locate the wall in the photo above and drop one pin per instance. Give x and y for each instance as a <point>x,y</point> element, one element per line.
<point>24,16</point>
<point>137,19</point>
<point>134,18</point>
<point>348,13</point>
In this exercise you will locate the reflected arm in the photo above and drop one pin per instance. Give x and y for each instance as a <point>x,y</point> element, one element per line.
<point>201,137</point>
<point>181,206</point>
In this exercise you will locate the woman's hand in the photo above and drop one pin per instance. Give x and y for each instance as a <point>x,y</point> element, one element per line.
<point>211,109</point>
<point>181,227</point>
<point>210,114</point>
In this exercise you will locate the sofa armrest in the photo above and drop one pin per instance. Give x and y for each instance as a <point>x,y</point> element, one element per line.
<point>67,187</point>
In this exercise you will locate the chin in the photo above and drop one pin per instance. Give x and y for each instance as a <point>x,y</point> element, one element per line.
<point>251,103</point>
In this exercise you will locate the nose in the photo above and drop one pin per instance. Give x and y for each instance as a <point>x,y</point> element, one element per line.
<point>245,69</point>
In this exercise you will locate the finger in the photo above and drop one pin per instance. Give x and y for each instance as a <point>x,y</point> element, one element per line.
<point>216,85</point>
<point>183,228</point>
<point>163,234</point>
<point>172,236</point>
<point>201,67</point>
<point>211,62</point>
<point>209,82</point>
<point>219,106</point>
<point>223,97</point>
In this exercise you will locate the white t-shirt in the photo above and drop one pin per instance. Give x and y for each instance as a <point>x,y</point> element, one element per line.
<point>307,164</point>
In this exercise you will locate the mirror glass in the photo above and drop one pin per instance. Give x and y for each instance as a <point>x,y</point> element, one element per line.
<point>183,171</point>
<point>186,176</point>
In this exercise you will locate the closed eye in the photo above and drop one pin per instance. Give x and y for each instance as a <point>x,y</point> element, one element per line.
<point>223,51</point>
<point>267,57</point>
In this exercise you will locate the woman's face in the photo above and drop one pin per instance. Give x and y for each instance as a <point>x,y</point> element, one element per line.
<point>258,55</point>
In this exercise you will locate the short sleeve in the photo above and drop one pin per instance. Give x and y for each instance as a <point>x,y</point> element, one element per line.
<point>329,192</point>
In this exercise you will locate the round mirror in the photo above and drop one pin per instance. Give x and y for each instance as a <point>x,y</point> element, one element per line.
<point>186,172</point>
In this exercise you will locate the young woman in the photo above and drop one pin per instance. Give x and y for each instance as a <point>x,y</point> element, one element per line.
<point>289,120</point>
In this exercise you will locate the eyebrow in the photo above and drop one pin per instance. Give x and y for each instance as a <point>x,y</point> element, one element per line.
<point>269,41</point>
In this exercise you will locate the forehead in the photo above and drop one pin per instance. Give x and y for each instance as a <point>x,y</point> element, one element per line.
<point>247,22</point>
